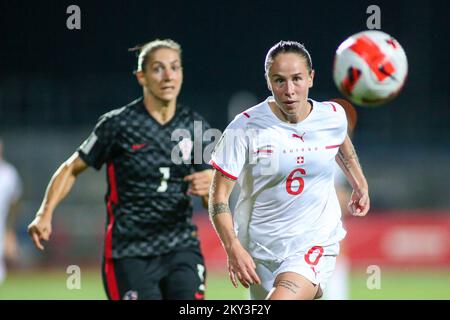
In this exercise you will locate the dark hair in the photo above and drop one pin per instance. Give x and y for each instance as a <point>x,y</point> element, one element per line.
<point>286,47</point>
<point>148,48</point>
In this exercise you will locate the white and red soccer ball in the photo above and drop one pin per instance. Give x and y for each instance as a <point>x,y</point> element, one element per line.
<point>370,68</point>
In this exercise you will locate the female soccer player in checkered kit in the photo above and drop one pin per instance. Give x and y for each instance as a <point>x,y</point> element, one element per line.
<point>283,237</point>
<point>151,246</point>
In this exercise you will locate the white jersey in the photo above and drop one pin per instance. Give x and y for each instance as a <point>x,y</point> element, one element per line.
<point>10,191</point>
<point>288,202</point>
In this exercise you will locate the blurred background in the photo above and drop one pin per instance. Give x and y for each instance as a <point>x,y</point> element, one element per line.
<point>56,82</point>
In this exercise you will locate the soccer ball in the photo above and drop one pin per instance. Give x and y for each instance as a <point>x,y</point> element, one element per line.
<point>370,68</point>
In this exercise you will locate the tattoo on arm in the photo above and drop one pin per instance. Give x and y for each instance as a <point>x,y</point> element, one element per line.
<point>217,208</point>
<point>346,159</point>
<point>288,284</point>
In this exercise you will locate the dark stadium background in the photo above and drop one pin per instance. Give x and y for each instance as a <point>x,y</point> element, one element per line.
<point>55,83</point>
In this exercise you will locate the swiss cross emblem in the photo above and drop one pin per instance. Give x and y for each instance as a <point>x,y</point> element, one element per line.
<point>300,160</point>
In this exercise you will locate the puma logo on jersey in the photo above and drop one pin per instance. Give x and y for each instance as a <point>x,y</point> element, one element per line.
<point>298,136</point>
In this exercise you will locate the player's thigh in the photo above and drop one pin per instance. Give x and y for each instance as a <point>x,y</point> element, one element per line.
<point>299,277</point>
<point>186,277</point>
<point>133,278</point>
<point>292,286</point>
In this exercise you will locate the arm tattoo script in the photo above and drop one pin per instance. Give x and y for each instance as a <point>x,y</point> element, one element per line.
<point>346,159</point>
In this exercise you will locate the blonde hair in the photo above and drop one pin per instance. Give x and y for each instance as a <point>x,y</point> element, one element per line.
<point>148,48</point>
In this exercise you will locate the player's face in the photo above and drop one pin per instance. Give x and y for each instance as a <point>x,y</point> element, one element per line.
<point>163,74</point>
<point>289,80</point>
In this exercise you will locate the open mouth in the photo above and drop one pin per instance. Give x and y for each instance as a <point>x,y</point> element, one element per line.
<point>289,103</point>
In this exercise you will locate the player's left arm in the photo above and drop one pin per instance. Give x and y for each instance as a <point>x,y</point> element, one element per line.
<point>199,184</point>
<point>347,159</point>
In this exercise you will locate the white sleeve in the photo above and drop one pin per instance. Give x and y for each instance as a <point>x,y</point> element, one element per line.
<point>344,125</point>
<point>343,122</point>
<point>231,152</point>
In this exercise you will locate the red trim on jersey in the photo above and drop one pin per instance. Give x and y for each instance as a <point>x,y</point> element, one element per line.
<point>113,198</point>
<point>334,107</point>
<point>246,114</point>
<point>264,151</point>
<point>222,171</point>
<point>111,281</point>
<point>333,146</point>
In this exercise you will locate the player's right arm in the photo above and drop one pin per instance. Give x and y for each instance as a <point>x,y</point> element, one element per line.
<point>347,159</point>
<point>94,152</point>
<point>240,263</point>
<point>59,186</point>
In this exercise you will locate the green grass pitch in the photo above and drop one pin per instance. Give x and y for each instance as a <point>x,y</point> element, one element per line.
<point>400,284</point>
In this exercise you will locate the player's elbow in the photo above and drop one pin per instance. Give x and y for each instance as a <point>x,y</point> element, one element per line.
<point>74,165</point>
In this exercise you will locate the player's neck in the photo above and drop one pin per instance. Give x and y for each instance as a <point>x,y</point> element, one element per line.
<point>161,111</point>
<point>299,116</point>
<point>304,112</point>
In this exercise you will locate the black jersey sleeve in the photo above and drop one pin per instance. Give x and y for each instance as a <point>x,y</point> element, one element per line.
<point>209,140</point>
<point>97,148</point>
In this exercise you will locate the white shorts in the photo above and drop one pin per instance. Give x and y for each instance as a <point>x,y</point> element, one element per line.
<point>317,265</point>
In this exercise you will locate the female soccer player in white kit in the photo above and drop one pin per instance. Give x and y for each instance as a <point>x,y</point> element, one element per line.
<point>283,238</point>
<point>10,193</point>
